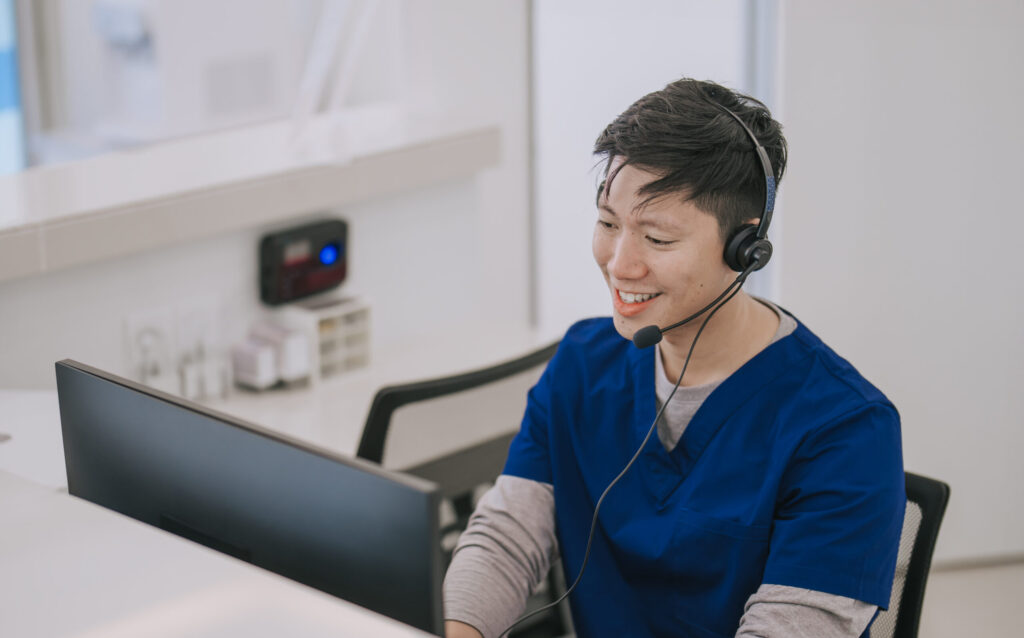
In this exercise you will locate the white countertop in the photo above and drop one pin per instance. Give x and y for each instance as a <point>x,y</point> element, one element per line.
<point>71,568</point>
<point>330,415</point>
<point>34,450</point>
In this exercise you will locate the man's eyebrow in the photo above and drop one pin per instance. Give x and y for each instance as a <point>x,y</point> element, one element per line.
<point>642,220</point>
<point>654,223</point>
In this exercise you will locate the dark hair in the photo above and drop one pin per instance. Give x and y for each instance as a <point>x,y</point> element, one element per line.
<point>699,151</point>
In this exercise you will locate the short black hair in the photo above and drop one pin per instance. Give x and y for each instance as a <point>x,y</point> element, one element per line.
<point>698,150</point>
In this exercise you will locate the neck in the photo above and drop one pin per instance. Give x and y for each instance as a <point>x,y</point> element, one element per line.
<point>738,331</point>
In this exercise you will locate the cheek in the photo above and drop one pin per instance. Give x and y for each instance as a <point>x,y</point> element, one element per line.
<point>686,273</point>
<point>710,276</point>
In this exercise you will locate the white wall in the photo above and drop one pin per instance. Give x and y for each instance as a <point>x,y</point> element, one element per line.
<point>79,313</point>
<point>902,214</point>
<point>473,56</point>
<point>592,59</point>
<point>433,259</point>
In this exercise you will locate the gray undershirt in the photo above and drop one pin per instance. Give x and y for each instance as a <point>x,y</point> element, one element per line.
<point>510,544</point>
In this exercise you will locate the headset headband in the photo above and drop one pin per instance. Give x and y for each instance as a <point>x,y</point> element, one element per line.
<point>769,175</point>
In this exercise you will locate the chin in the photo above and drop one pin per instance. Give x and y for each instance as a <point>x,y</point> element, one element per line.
<point>625,327</point>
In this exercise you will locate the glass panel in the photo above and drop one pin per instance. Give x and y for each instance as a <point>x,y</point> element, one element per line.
<point>167,69</point>
<point>12,152</point>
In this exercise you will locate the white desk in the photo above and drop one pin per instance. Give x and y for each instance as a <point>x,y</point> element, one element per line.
<point>71,568</point>
<point>330,415</point>
<point>34,450</point>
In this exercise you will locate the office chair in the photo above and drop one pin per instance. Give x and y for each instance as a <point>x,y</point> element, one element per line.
<point>926,505</point>
<point>456,431</point>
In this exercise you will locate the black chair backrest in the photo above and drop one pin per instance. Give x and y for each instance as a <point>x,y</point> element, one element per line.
<point>460,428</point>
<point>926,505</point>
<point>389,399</point>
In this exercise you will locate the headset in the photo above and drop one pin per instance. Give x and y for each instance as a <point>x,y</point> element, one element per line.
<point>749,244</point>
<point>746,251</point>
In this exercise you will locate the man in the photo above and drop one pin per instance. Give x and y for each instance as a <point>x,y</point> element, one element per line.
<point>771,501</point>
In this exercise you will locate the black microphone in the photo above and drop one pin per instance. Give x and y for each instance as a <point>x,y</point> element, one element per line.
<point>647,336</point>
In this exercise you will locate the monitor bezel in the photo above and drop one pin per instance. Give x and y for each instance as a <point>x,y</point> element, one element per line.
<point>409,480</point>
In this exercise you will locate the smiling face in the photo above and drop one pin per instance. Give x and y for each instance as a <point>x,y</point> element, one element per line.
<point>662,262</point>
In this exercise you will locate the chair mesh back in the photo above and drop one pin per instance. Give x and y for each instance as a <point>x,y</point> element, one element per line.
<point>885,624</point>
<point>429,429</point>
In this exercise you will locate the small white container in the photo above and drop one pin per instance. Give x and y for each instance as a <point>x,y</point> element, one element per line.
<point>254,365</point>
<point>338,331</point>
<point>291,349</point>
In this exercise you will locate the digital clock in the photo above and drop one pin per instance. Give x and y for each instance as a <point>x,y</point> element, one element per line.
<point>302,261</point>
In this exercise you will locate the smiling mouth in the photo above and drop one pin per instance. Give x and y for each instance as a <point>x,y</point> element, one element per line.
<point>630,304</point>
<point>635,297</point>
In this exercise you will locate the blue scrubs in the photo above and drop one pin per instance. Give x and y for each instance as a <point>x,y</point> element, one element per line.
<point>790,473</point>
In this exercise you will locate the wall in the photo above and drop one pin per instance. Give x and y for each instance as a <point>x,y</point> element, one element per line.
<point>79,313</point>
<point>591,61</point>
<point>434,259</point>
<point>901,212</point>
<point>474,55</point>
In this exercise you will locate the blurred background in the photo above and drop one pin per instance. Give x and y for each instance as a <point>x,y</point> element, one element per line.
<point>147,145</point>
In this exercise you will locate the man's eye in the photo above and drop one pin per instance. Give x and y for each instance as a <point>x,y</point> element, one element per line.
<point>605,224</point>
<point>659,242</point>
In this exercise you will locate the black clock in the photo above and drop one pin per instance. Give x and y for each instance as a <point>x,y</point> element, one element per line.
<point>302,261</point>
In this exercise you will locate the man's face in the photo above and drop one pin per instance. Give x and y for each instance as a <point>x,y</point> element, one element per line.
<point>663,262</point>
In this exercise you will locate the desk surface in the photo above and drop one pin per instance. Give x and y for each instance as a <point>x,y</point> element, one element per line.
<point>71,568</point>
<point>34,450</point>
<point>330,415</point>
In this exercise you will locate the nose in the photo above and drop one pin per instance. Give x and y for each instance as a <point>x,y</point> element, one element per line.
<point>626,262</point>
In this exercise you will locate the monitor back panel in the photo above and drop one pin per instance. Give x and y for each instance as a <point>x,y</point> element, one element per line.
<point>340,525</point>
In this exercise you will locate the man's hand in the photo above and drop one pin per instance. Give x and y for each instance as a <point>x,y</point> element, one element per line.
<point>456,629</point>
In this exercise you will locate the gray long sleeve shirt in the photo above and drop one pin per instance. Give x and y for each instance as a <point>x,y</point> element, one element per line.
<point>510,544</point>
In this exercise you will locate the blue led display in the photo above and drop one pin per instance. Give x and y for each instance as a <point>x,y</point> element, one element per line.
<point>329,254</point>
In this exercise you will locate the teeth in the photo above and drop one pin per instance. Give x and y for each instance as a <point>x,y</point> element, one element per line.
<point>629,297</point>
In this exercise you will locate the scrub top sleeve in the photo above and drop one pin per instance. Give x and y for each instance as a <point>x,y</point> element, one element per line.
<point>528,455</point>
<point>840,510</point>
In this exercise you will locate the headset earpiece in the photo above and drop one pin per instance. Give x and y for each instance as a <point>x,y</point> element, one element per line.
<point>748,248</point>
<point>745,249</point>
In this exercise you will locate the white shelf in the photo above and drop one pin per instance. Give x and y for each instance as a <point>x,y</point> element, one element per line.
<point>125,202</point>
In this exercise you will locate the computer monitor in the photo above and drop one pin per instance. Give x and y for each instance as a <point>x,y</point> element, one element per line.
<point>339,524</point>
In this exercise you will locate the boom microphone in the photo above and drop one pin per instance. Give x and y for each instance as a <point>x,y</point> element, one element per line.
<point>649,335</point>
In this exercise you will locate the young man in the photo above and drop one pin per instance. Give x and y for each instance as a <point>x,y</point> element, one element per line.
<point>771,501</point>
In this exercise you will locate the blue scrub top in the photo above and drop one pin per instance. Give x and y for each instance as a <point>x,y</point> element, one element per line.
<point>790,473</point>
